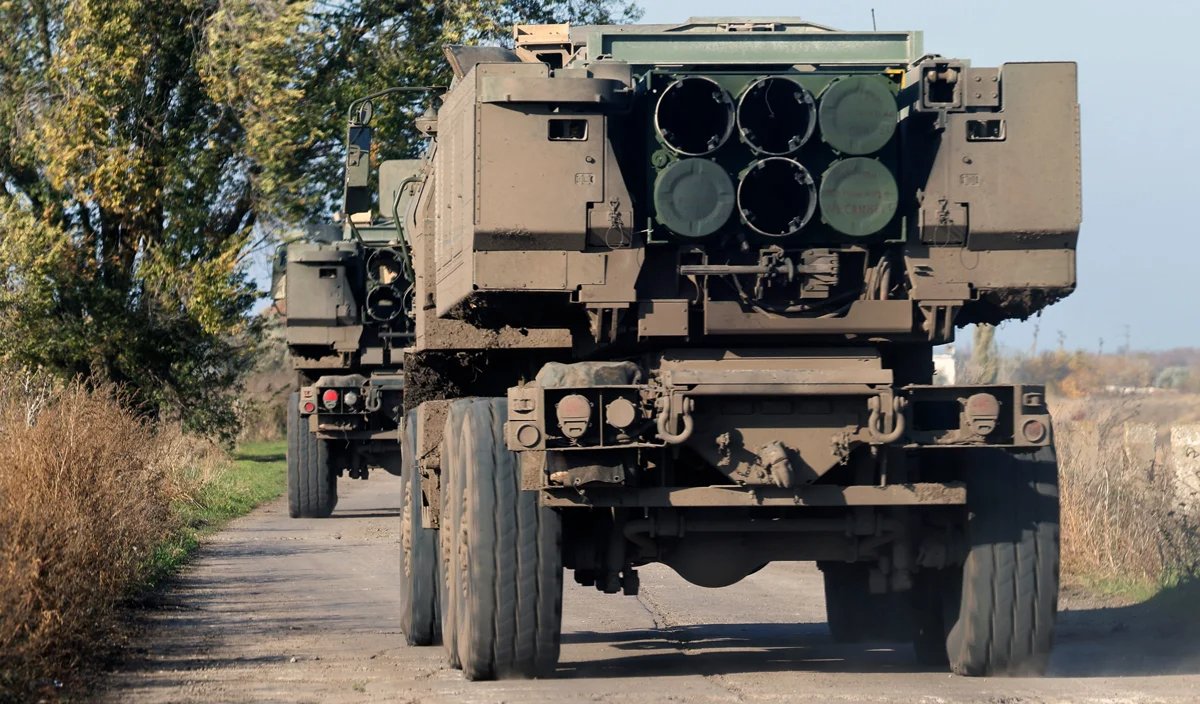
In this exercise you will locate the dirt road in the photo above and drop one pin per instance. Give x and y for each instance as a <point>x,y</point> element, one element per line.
<point>305,611</point>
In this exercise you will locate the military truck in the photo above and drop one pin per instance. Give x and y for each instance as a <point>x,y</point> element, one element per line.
<point>345,291</point>
<point>676,292</point>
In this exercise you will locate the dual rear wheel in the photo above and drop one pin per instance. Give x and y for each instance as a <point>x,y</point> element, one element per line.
<point>311,471</point>
<point>495,566</point>
<point>992,615</point>
<point>995,614</point>
<point>854,614</point>
<point>418,551</point>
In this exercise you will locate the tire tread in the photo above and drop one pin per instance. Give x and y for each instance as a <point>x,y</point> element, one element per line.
<point>311,483</point>
<point>418,551</point>
<point>1010,578</point>
<point>509,574</point>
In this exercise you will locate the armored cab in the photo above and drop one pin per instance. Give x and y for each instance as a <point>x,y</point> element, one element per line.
<point>676,294</point>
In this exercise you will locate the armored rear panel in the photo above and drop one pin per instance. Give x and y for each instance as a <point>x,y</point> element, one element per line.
<point>526,176</point>
<point>1009,167</point>
<point>323,314</point>
<point>1001,201</point>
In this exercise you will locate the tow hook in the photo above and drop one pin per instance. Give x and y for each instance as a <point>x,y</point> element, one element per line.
<point>374,400</point>
<point>664,420</point>
<point>876,420</point>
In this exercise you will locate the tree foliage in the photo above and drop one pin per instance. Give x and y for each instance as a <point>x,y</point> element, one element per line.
<point>145,145</point>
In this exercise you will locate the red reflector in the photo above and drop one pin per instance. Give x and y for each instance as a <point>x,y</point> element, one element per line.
<point>309,407</point>
<point>330,396</point>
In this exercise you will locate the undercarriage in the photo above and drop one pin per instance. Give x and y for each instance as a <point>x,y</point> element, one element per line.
<point>716,462</point>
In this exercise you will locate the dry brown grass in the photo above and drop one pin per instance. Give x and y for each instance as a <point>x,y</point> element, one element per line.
<point>1122,527</point>
<point>85,496</point>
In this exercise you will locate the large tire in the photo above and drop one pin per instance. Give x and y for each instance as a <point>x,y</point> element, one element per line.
<point>450,522</point>
<point>311,481</point>
<point>855,615</point>
<point>418,551</point>
<point>507,582</point>
<point>1009,593</point>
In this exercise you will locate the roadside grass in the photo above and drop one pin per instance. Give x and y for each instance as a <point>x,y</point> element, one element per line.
<point>1123,589</point>
<point>96,505</point>
<point>257,474</point>
<point>1125,533</point>
<point>1177,601</point>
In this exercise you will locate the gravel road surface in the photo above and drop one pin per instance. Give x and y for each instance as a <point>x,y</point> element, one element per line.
<point>275,609</point>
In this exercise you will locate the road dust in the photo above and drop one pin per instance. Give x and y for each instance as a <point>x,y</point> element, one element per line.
<point>275,609</point>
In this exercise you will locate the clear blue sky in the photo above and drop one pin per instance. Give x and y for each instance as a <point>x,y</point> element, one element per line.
<point>1139,251</point>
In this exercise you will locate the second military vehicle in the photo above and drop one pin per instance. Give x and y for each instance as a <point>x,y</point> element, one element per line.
<point>345,291</point>
<point>676,291</point>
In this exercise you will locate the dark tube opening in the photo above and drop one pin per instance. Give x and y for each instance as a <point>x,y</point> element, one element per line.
<point>694,116</point>
<point>384,304</point>
<point>776,197</point>
<point>776,115</point>
<point>384,266</point>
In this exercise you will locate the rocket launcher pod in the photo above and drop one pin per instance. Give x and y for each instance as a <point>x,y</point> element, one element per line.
<point>776,197</point>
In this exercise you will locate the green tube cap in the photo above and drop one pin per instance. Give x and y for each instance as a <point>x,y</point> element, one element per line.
<point>858,114</point>
<point>858,196</point>
<point>693,197</point>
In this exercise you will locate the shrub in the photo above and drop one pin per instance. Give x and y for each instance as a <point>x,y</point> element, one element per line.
<point>85,498</point>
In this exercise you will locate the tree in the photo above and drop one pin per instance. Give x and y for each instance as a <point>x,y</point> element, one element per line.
<point>294,99</point>
<point>145,144</point>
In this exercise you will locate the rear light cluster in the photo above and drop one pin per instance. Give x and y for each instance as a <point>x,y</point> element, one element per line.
<point>332,401</point>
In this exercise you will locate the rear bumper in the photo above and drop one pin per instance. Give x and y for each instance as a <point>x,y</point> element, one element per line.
<point>914,416</point>
<point>762,424</point>
<point>354,407</point>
